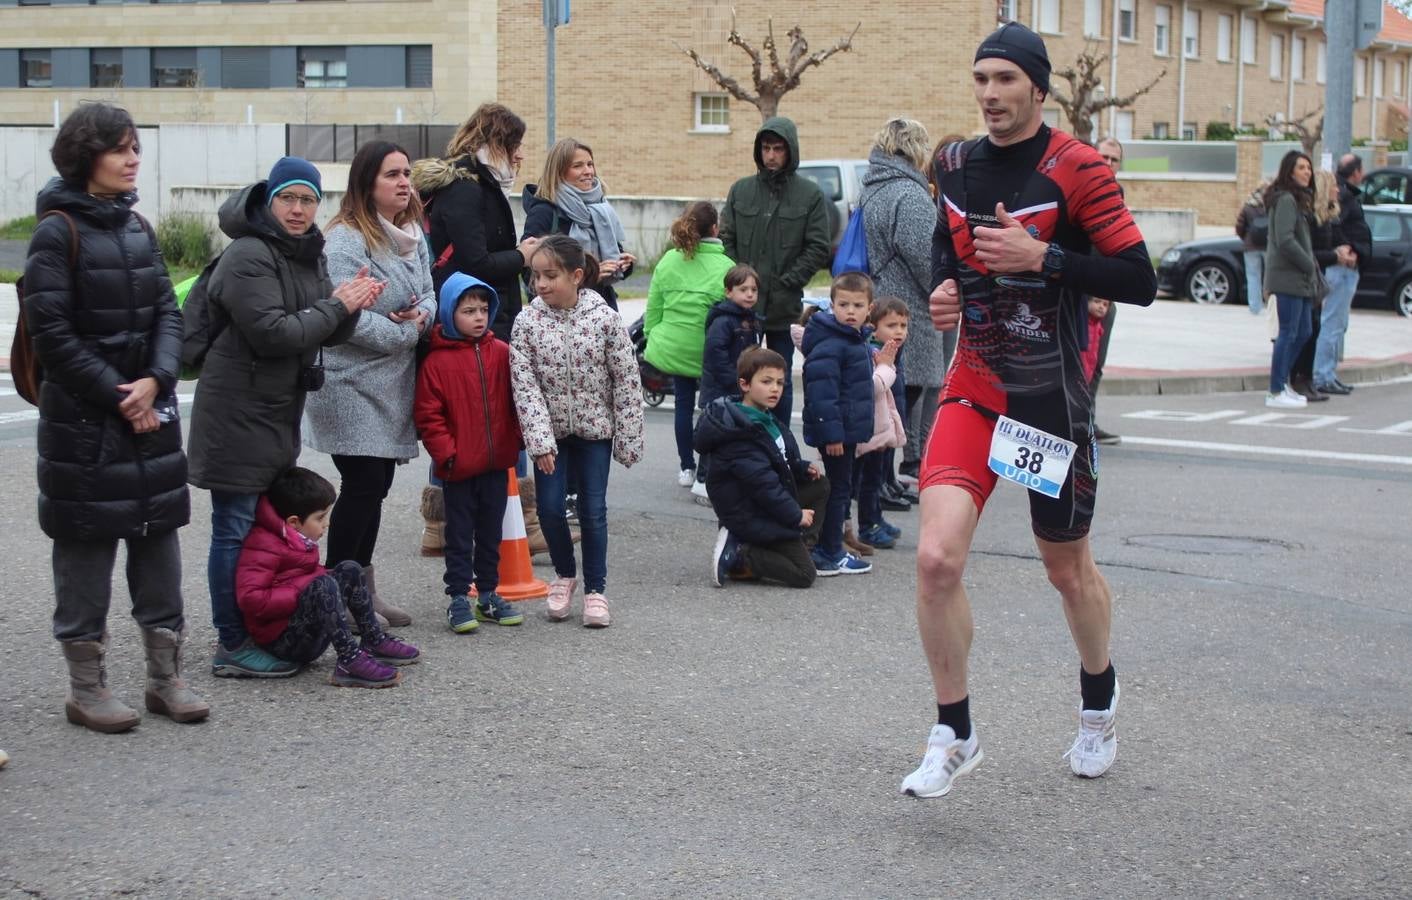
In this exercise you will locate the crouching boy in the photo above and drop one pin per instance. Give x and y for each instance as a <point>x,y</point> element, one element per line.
<point>766,498</point>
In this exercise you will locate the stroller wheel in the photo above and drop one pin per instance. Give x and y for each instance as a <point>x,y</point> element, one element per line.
<point>653,398</point>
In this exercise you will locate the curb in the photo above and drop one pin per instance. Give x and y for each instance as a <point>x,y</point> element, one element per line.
<point>1151,382</point>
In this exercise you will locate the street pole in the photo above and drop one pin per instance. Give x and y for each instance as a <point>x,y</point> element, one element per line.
<point>1338,90</point>
<point>556,13</point>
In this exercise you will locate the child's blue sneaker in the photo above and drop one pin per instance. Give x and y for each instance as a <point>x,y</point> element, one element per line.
<point>890,528</point>
<point>852,565</point>
<point>877,535</point>
<point>459,615</point>
<point>725,558</point>
<point>847,564</point>
<point>492,607</point>
<point>824,565</point>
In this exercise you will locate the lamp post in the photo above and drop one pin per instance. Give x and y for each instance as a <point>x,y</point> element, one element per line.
<point>556,13</point>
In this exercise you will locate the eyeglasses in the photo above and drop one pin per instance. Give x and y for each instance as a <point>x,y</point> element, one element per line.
<point>304,200</point>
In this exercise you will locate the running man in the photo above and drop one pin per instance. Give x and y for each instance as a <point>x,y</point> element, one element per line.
<point>1030,221</point>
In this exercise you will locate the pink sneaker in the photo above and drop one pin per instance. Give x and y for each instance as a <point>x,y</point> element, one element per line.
<point>561,591</point>
<point>595,611</point>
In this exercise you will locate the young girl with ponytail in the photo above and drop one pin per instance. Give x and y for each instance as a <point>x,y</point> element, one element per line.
<point>579,400</point>
<point>689,278</point>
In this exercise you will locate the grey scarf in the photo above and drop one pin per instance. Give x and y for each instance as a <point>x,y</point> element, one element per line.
<point>594,224</point>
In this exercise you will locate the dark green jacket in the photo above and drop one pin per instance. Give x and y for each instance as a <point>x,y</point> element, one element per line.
<point>777,222</point>
<point>1289,251</point>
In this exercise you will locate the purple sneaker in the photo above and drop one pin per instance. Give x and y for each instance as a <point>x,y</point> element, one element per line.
<point>388,649</point>
<point>364,671</point>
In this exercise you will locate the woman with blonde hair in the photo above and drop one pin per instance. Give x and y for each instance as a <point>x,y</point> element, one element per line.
<point>899,217</point>
<point>468,210</point>
<point>363,414</point>
<point>1329,250</point>
<point>570,199</point>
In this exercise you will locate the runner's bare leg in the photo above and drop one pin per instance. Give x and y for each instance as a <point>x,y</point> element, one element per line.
<point>949,518</point>
<point>1088,603</point>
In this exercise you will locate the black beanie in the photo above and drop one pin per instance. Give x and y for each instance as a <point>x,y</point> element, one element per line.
<point>1020,46</point>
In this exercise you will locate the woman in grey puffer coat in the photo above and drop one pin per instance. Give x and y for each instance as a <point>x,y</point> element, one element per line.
<point>363,415</point>
<point>899,217</point>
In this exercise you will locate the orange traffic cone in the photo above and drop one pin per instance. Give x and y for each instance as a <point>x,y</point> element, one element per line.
<point>517,581</point>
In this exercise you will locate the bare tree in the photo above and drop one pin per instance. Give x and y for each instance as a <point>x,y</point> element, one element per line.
<point>1306,129</point>
<point>783,76</point>
<point>1083,101</point>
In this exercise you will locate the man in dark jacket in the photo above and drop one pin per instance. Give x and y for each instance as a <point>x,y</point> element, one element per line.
<point>766,498</point>
<point>1343,277</point>
<point>777,221</point>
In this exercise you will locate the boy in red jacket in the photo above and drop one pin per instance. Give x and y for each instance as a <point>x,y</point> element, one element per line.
<point>293,607</point>
<point>466,418</point>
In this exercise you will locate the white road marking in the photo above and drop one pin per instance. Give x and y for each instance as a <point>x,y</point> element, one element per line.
<point>1402,428</point>
<point>1268,451</point>
<point>1290,420</point>
<point>1181,415</point>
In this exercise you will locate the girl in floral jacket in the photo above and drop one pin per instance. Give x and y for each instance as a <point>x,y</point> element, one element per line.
<point>579,399</point>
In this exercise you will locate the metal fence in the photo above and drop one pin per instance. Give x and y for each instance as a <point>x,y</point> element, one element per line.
<point>338,143</point>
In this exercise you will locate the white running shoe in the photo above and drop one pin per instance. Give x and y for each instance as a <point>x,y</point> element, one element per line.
<point>946,760</point>
<point>1097,744</point>
<point>1286,399</point>
<point>698,493</point>
<point>686,478</point>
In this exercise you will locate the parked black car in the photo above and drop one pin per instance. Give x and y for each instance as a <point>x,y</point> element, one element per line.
<point>1212,270</point>
<point>1388,185</point>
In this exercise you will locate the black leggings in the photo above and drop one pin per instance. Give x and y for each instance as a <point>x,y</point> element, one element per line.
<point>357,514</point>
<point>317,620</point>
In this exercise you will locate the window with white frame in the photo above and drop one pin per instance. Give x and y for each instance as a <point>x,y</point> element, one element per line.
<point>1249,31</point>
<point>1191,34</point>
<point>1296,59</point>
<point>1127,19</point>
<point>1049,16</point>
<point>1379,70</point>
<point>1224,27</point>
<point>322,67</point>
<point>1123,125</point>
<point>713,112</point>
<point>1360,76</point>
<point>1162,30</point>
<point>1188,131</point>
<point>1007,10</point>
<point>1161,131</point>
<point>1277,55</point>
<point>1321,63</point>
<point>1093,18</point>
<point>1397,75</point>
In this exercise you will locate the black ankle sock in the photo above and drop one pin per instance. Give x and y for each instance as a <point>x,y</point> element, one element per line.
<point>1097,689</point>
<point>956,715</point>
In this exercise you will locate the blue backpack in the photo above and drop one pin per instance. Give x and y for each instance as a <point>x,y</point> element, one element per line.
<point>852,254</point>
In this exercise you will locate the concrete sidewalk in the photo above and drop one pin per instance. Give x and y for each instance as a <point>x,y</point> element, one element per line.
<point>1170,347</point>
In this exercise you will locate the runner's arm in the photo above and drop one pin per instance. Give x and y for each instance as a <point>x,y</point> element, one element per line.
<point>1127,276</point>
<point>943,251</point>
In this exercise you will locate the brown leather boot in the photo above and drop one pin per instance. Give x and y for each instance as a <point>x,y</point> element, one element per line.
<point>392,615</point>
<point>90,703</point>
<point>433,521</point>
<point>851,542</point>
<point>533,533</point>
<point>167,695</point>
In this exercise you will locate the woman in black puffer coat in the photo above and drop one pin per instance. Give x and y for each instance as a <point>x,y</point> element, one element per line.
<point>100,309</point>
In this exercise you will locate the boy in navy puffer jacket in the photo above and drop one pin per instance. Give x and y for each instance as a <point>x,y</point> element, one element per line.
<point>838,407</point>
<point>465,416</point>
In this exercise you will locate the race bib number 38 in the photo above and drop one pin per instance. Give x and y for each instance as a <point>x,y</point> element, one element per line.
<point>1029,457</point>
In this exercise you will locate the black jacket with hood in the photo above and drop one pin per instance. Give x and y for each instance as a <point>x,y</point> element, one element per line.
<point>778,223</point>
<point>110,321</point>
<point>273,294</point>
<point>753,488</point>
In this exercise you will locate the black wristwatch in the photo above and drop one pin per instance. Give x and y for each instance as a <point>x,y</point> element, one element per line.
<point>1053,265</point>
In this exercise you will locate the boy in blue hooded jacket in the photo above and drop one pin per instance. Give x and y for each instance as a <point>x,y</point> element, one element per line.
<point>466,418</point>
<point>838,407</point>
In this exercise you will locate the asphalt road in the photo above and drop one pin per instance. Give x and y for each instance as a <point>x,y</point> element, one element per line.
<point>750,741</point>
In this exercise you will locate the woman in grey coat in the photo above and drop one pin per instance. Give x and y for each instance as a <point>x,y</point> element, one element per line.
<point>898,218</point>
<point>273,307</point>
<point>363,415</point>
<point>1291,271</point>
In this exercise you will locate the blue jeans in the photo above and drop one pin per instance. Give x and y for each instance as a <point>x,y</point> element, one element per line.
<point>232,515</point>
<point>684,396</point>
<point>1255,280</point>
<point>1343,282</point>
<point>587,463</point>
<point>783,344</point>
<point>1295,327</point>
<point>839,469</point>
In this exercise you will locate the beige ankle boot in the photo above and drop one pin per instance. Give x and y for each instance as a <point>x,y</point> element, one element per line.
<point>386,612</point>
<point>433,521</point>
<point>167,694</point>
<point>533,533</point>
<point>851,542</point>
<point>90,703</point>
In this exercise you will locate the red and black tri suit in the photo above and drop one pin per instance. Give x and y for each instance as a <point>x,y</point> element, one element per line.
<point>1022,334</point>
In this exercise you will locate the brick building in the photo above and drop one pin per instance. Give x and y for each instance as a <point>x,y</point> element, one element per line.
<point>658,126</point>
